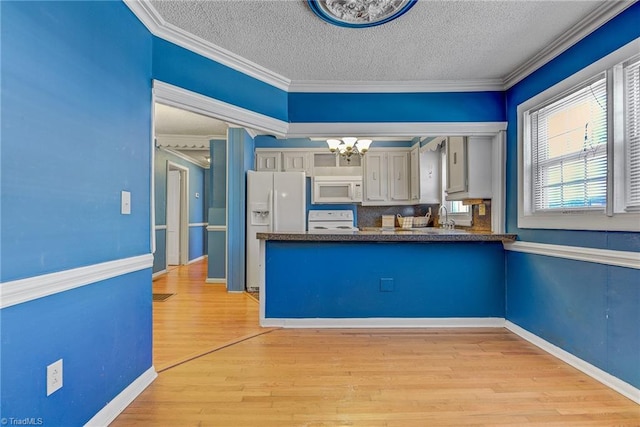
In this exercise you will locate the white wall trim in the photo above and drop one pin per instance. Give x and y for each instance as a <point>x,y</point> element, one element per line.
<point>211,280</point>
<point>594,372</point>
<point>151,19</point>
<point>106,415</point>
<point>216,228</point>
<point>168,94</point>
<point>159,273</point>
<point>602,14</point>
<point>416,86</point>
<point>200,258</point>
<point>198,224</point>
<point>386,322</point>
<point>176,153</point>
<point>24,290</point>
<point>405,129</point>
<point>147,14</point>
<point>189,142</point>
<point>601,256</point>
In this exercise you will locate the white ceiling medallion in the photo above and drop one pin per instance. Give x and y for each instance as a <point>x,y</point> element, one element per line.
<point>359,13</point>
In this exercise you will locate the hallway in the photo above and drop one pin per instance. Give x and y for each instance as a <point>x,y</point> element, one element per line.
<point>198,317</point>
<point>218,368</point>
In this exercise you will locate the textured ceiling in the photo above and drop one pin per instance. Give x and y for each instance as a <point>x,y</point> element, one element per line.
<point>435,40</point>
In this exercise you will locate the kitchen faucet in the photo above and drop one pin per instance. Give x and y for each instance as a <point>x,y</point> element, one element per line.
<point>447,222</point>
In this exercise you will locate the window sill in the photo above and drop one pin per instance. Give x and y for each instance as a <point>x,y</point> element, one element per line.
<point>581,221</point>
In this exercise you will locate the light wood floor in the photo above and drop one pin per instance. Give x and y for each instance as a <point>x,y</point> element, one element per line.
<point>342,377</point>
<point>199,317</point>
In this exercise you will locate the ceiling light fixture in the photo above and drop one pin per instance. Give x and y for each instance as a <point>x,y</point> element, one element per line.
<point>349,146</point>
<point>359,13</point>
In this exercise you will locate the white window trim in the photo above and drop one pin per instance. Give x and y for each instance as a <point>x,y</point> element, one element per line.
<point>464,219</point>
<point>571,220</point>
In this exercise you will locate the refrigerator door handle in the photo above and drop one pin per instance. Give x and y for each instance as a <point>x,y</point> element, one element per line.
<point>274,212</point>
<point>270,207</point>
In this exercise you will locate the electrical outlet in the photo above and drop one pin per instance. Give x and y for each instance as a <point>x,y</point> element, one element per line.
<point>482,209</point>
<point>54,377</point>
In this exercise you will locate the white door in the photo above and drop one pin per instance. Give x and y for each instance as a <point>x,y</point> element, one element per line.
<point>173,217</point>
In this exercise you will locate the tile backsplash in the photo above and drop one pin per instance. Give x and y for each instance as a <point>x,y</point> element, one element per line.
<point>371,216</point>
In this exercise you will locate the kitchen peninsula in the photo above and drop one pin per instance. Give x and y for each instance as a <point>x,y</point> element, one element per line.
<point>383,278</point>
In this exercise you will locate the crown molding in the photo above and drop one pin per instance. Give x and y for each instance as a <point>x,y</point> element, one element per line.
<point>175,152</point>
<point>414,86</point>
<point>194,102</point>
<point>602,14</point>
<point>151,19</point>
<point>186,142</point>
<point>411,129</point>
<point>148,15</point>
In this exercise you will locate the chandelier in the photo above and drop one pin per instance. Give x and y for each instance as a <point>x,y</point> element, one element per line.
<point>348,146</point>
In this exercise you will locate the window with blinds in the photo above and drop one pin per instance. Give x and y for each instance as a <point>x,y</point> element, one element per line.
<point>631,71</point>
<point>579,158</point>
<point>569,150</point>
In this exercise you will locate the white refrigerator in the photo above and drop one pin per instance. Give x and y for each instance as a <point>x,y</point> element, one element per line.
<point>276,201</point>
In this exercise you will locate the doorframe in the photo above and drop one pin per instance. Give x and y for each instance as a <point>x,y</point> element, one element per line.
<point>183,227</point>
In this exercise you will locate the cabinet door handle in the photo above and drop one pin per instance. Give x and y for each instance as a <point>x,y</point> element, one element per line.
<point>455,158</point>
<point>374,176</point>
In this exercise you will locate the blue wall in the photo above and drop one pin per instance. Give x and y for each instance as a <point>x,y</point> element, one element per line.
<point>76,131</point>
<point>397,107</point>
<point>197,207</point>
<point>590,310</point>
<point>183,68</point>
<point>65,156</point>
<point>240,156</point>
<point>217,240</point>
<point>468,280</point>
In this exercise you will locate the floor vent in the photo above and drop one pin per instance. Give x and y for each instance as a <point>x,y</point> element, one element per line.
<point>161,297</point>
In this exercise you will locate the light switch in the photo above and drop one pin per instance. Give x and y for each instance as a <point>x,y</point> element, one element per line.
<point>125,203</point>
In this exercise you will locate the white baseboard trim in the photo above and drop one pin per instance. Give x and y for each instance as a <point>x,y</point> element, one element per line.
<point>24,290</point>
<point>106,415</point>
<point>387,322</point>
<point>210,280</point>
<point>197,259</point>
<point>159,273</point>
<point>594,372</point>
<point>600,256</point>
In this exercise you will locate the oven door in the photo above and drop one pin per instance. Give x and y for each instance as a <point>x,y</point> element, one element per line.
<point>336,191</point>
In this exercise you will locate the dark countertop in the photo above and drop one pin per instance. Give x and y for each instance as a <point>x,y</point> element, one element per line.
<point>374,234</point>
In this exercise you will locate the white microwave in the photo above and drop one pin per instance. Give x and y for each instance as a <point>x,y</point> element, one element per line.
<point>337,189</point>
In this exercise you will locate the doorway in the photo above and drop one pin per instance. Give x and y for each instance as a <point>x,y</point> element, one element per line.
<point>177,215</point>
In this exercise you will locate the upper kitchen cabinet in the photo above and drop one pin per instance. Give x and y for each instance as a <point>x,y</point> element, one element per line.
<point>468,167</point>
<point>269,161</point>
<point>386,177</point>
<point>375,178</point>
<point>295,161</point>
<point>329,164</point>
<point>425,176</point>
<point>399,182</point>
<point>282,160</point>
